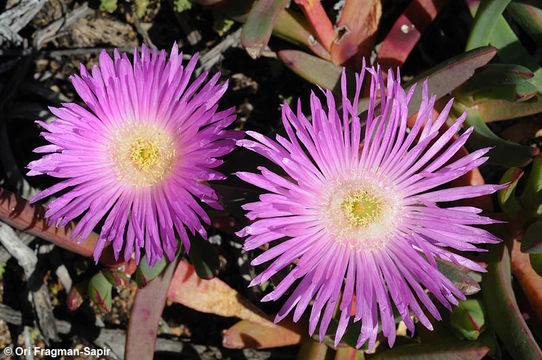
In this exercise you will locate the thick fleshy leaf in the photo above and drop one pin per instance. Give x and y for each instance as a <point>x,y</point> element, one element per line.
<point>507,196</point>
<point>76,296</point>
<point>293,27</point>
<point>311,349</point>
<point>448,75</point>
<point>99,291</point>
<point>406,32</point>
<point>116,278</point>
<point>532,192</point>
<point>204,258</point>
<point>145,315</point>
<point>529,280</point>
<point>468,319</point>
<point>505,153</point>
<point>446,350</point>
<point>536,263</point>
<point>211,296</point>
<point>529,17</point>
<point>484,22</point>
<point>532,240</point>
<point>511,50</point>
<point>498,109</point>
<point>348,353</point>
<point>314,70</point>
<point>315,13</point>
<point>249,334</point>
<point>259,25</point>
<point>493,75</point>
<point>356,32</point>
<point>463,278</point>
<point>146,273</point>
<point>17,212</point>
<point>503,312</point>
<point>350,336</point>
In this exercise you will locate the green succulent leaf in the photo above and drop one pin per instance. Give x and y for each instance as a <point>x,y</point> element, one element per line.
<point>445,350</point>
<point>529,17</point>
<point>259,25</point>
<point>536,263</point>
<point>99,291</point>
<point>484,22</point>
<point>506,196</point>
<point>532,240</point>
<point>505,153</point>
<point>463,278</point>
<point>531,198</point>
<point>468,319</point>
<point>145,273</point>
<point>504,315</point>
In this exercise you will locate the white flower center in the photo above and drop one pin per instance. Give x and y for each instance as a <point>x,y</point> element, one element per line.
<point>361,212</point>
<point>142,154</point>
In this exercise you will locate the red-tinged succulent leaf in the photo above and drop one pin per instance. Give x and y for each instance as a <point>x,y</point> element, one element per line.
<point>510,48</point>
<point>446,350</point>
<point>17,212</point>
<point>145,315</point>
<point>211,296</point>
<point>406,32</point>
<point>532,240</point>
<point>356,29</point>
<point>503,311</point>
<point>468,319</point>
<point>99,291</point>
<point>319,20</point>
<point>348,353</point>
<point>259,25</point>
<point>248,334</point>
<point>76,296</point>
<point>292,26</point>
<point>145,273</point>
<point>116,278</point>
<point>493,75</point>
<point>485,20</point>
<point>529,17</point>
<point>313,350</point>
<point>448,75</point>
<point>498,109</point>
<point>315,70</point>
<point>460,276</point>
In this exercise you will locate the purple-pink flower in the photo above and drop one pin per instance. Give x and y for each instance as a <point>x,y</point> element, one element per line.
<point>136,158</point>
<point>355,209</point>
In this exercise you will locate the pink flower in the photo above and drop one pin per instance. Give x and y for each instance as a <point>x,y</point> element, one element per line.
<point>137,157</point>
<point>356,208</point>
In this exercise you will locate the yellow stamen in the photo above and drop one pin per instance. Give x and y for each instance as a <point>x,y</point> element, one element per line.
<point>142,154</point>
<point>361,212</point>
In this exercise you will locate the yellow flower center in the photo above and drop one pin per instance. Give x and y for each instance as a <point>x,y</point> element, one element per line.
<point>360,213</point>
<point>361,208</point>
<point>142,154</point>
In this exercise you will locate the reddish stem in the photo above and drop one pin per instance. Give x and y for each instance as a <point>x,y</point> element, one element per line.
<point>17,212</point>
<point>319,20</point>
